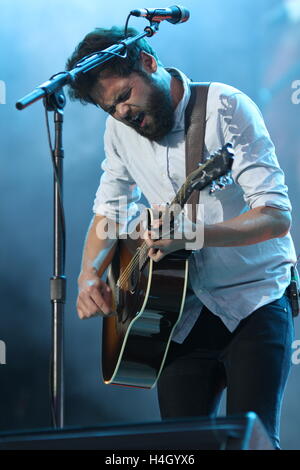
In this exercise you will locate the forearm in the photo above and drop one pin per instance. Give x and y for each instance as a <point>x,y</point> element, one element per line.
<point>257,225</point>
<point>98,246</point>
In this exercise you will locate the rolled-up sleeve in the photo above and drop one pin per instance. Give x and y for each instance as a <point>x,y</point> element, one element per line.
<point>117,193</point>
<point>255,168</point>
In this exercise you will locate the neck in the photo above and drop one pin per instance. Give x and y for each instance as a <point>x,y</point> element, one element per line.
<point>171,83</point>
<point>176,91</point>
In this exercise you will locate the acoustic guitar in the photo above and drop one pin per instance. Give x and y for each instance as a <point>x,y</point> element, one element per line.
<point>149,296</point>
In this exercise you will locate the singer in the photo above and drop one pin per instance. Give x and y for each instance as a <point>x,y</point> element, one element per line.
<point>237,327</point>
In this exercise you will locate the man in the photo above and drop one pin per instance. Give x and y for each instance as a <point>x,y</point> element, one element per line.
<point>237,327</point>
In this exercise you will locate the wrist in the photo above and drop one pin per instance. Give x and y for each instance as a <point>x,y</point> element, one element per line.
<point>85,274</point>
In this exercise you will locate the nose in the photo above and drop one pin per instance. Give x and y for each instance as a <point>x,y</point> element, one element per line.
<point>122,110</point>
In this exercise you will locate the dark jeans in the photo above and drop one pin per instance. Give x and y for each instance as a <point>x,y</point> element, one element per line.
<point>253,363</point>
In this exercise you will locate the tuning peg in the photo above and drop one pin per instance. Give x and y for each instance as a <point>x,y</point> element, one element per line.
<point>220,183</point>
<point>229,178</point>
<point>223,181</point>
<point>214,187</point>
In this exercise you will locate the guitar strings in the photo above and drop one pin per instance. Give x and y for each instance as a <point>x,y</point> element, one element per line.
<point>142,252</point>
<point>179,198</point>
<point>144,248</point>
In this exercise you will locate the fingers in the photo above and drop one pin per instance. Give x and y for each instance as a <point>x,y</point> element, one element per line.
<point>150,235</point>
<point>156,250</point>
<point>86,308</point>
<point>99,297</point>
<point>156,254</point>
<point>94,300</point>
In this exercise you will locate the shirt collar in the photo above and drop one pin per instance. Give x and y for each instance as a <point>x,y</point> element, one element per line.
<point>180,108</point>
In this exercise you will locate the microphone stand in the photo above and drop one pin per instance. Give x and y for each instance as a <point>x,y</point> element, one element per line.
<point>53,97</point>
<point>56,102</point>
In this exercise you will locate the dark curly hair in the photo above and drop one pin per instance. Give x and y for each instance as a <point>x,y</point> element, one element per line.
<point>98,40</point>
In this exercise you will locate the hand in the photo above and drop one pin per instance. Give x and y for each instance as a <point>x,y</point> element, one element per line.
<point>183,234</point>
<point>158,249</point>
<point>94,298</point>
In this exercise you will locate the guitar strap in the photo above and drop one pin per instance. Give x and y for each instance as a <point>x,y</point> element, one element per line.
<point>195,121</point>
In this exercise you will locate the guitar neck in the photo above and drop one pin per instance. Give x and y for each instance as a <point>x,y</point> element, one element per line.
<point>174,208</point>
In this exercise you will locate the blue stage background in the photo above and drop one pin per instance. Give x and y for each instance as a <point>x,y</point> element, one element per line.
<point>250,44</point>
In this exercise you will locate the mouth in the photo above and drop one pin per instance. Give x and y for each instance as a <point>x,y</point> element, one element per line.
<point>138,120</point>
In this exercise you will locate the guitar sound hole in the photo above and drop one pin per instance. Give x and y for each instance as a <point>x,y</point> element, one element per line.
<point>134,278</point>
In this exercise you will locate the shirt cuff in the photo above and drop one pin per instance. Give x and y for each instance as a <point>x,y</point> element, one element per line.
<point>268,200</point>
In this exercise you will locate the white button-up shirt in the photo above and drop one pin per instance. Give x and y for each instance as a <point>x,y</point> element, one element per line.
<point>232,282</point>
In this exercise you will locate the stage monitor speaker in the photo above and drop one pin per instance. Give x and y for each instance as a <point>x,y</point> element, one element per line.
<point>244,432</point>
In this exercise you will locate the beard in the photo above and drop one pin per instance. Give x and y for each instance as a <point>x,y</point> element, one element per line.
<point>159,113</point>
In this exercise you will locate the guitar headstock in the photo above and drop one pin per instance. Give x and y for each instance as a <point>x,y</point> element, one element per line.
<point>215,171</point>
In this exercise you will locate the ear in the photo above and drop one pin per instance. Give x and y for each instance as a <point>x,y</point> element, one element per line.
<point>148,62</point>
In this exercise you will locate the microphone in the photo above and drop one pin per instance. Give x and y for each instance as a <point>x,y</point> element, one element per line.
<point>174,14</point>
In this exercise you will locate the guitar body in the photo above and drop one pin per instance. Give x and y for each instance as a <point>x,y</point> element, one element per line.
<point>149,297</point>
<point>136,340</point>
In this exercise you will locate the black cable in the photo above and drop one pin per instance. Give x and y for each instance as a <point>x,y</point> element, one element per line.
<point>62,212</point>
<point>116,54</point>
<point>126,26</point>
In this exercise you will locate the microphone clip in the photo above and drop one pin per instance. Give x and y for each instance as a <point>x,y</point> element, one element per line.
<point>152,28</point>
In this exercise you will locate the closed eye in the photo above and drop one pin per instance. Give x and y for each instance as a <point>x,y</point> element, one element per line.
<point>123,97</point>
